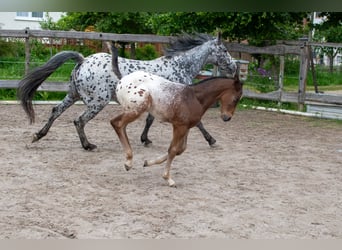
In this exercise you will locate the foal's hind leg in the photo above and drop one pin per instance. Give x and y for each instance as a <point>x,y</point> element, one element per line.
<point>211,140</point>
<point>91,111</point>
<point>144,137</point>
<point>56,112</point>
<point>119,124</point>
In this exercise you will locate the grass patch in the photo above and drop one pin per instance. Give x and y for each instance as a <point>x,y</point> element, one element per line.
<point>248,103</point>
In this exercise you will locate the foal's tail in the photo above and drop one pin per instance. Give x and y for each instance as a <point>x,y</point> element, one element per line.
<point>115,64</point>
<point>30,83</point>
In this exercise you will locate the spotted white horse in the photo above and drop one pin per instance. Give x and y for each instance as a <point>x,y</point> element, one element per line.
<point>93,81</point>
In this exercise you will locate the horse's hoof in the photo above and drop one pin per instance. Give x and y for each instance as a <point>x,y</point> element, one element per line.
<point>145,163</point>
<point>212,142</point>
<point>35,138</point>
<point>214,145</point>
<point>147,142</point>
<point>90,147</point>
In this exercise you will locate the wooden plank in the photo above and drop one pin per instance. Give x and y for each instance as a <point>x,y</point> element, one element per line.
<point>272,96</point>
<point>326,111</point>
<point>323,98</point>
<point>46,86</point>
<point>316,44</point>
<point>85,35</point>
<point>292,97</point>
<point>272,50</point>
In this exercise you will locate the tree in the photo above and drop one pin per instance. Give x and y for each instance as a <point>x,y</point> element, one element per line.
<point>330,30</point>
<point>111,22</point>
<point>256,27</point>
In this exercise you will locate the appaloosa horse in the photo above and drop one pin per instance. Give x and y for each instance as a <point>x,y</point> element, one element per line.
<point>93,81</point>
<point>181,105</point>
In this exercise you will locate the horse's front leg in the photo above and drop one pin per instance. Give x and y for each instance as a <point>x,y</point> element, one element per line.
<point>119,124</point>
<point>211,140</point>
<point>144,136</point>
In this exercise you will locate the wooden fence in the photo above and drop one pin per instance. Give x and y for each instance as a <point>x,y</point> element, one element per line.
<point>300,48</point>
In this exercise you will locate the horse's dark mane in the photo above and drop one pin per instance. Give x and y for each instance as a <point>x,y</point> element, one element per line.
<point>185,42</point>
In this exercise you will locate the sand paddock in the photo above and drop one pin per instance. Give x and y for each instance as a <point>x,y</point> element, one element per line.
<point>271,176</point>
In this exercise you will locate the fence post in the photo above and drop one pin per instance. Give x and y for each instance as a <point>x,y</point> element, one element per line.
<point>281,78</point>
<point>27,52</point>
<point>303,70</point>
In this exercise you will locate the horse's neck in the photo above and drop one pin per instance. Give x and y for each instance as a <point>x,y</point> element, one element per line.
<point>181,68</point>
<point>194,59</point>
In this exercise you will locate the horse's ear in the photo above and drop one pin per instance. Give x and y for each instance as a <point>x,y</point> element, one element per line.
<point>237,72</point>
<point>219,37</point>
<point>115,64</point>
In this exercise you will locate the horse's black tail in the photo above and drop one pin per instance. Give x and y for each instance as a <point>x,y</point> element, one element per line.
<point>115,64</point>
<point>30,83</point>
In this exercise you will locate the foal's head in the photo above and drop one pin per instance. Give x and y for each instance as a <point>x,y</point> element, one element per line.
<point>230,98</point>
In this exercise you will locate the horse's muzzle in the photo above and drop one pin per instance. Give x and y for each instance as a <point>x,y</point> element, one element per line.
<point>226,118</point>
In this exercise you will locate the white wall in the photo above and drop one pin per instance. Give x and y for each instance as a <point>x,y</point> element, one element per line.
<point>9,20</point>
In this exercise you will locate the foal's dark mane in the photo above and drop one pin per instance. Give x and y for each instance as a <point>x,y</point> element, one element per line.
<point>185,42</point>
<point>213,77</point>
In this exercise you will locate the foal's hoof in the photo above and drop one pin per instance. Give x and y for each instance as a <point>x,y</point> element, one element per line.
<point>127,167</point>
<point>171,183</point>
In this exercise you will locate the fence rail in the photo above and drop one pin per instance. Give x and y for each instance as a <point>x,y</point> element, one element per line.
<point>278,96</point>
<point>27,33</point>
<point>281,49</point>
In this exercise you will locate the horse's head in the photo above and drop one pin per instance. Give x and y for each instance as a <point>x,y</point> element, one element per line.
<point>230,98</point>
<point>220,56</point>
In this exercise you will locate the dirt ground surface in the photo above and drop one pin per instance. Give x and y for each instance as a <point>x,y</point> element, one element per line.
<point>271,176</point>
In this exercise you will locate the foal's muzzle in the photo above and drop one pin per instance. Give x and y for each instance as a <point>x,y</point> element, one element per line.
<point>226,118</point>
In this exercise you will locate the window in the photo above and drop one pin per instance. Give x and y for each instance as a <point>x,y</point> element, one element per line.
<point>339,59</point>
<point>30,16</point>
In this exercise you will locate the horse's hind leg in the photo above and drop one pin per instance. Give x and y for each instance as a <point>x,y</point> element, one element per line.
<point>91,111</point>
<point>211,140</point>
<point>144,137</point>
<point>56,112</point>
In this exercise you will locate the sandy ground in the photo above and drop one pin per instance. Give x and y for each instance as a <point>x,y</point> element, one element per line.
<point>272,176</point>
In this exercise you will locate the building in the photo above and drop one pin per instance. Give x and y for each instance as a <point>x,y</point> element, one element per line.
<point>23,20</point>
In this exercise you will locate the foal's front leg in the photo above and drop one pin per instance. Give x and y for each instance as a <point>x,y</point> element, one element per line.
<point>177,147</point>
<point>211,140</point>
<point>119,124</point>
